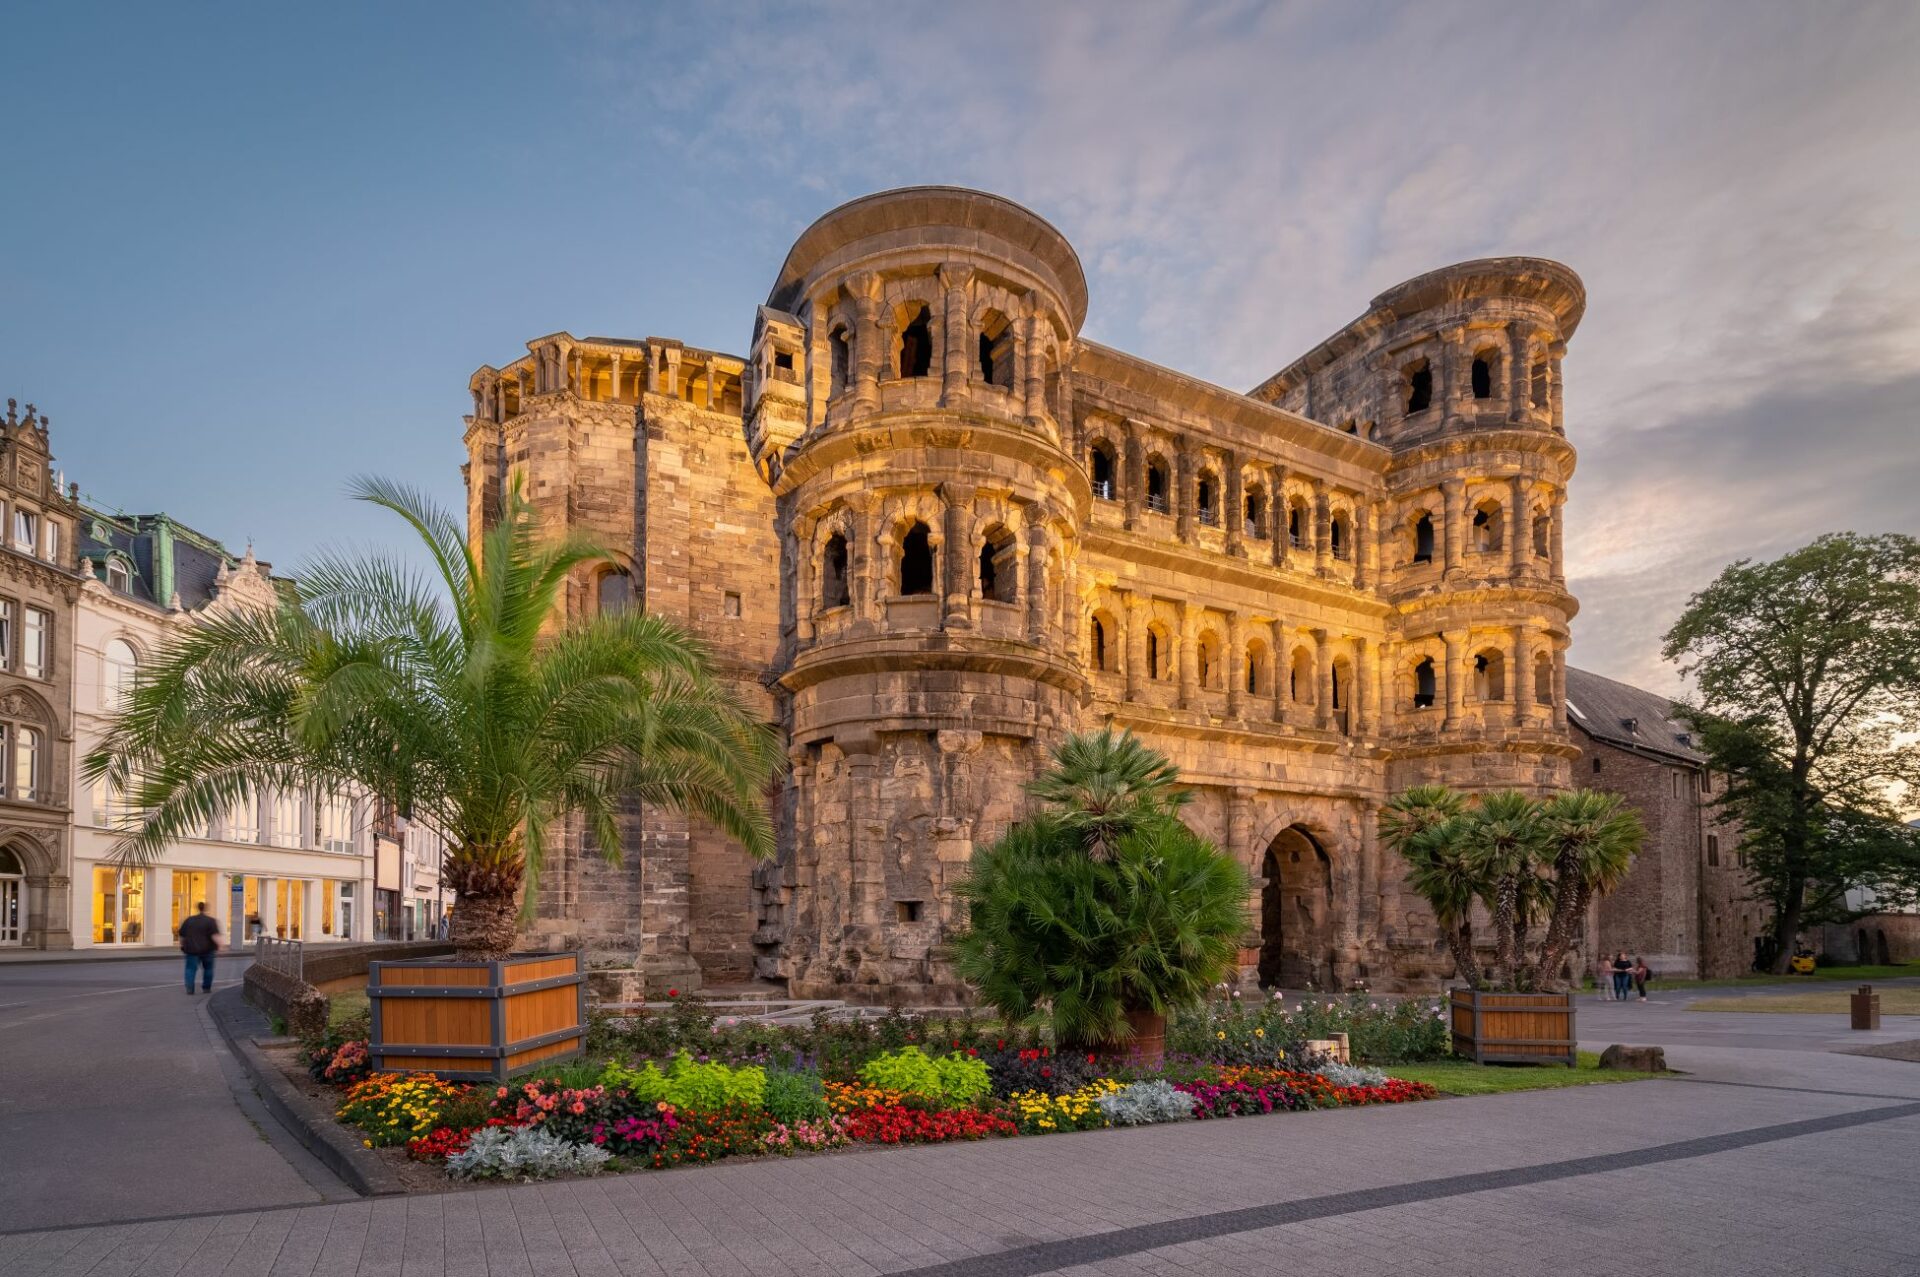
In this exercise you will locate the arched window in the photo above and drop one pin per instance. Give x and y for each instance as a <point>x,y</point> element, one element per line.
<point>1300,677</point>
<point>1423,684</point>
<point>1206,656</point>
<point>1487,527</point>
<point>1157,485</point>
<point>840,352</point>
<point>1256,666</point>
<point>1419,388</point>
<point>1207,498</point>
<point>1543,680</point>
<point>614,591</point>
<point>1097,643</point>
<point>118,665</point>
<point>119,580</point>
<point>1539,385</point>
<point>29,774</point>
<point>916,343</point>
<point>996,350</point>
<point>1483,376</point>
<point>997,567</point>
<point>1338,541</point>
<point>1542,533</point>
<point>1100,462</point>
<point>1489,676</point>
<point>835,588</point>
<point>1423,538</point>
<point>1159,652</point>
<point>1297,524</point>
<point>916,560</point>
<point>1342,690</point>
<point>1254,512</point>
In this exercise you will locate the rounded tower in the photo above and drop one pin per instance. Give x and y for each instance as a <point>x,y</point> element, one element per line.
<point>904,404</point>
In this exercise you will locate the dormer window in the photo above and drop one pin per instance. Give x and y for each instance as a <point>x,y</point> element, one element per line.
<point>119,580</point>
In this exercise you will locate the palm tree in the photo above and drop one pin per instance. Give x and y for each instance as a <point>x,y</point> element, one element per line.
<point>1593,838</point>
<point>1104,917</point>
<point>1425,826</point>
<point>460,696</point>
<point>1101,786</point>
<point>1503,839</point>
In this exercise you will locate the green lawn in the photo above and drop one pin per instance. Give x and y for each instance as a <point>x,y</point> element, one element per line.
<point>1463,1077</point>
<point>343,1006</point>
<point>1856,975</point>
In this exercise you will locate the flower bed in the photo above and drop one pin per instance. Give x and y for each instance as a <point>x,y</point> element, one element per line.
<point>709,1092</point>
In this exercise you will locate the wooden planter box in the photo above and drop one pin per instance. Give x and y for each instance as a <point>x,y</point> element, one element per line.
<point>1513,1028</point>
<point>476,1021</point>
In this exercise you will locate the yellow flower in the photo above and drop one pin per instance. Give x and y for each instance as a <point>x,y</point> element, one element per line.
<point>1259,1033</point>
<point>1221,1035</point>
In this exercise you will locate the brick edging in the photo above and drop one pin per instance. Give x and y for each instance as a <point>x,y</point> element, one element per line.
<point>309,1122</point>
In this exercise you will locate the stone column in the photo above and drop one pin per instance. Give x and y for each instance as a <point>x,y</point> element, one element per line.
<point>1183,489</point>
<point>1322,528</point>
<point>1520,684</point>
<point>867,354</point>
<point>1452,379</point>
<point>865,831</point>
<point>819,366</point>
<point>1036,387</point>
<point>1559,685</point>
<point>867,550</point>
<point>1322,681</point>
<point>1189,655</point>
<point>613,379</point>
<point>1235,515</point>
<point>1453,493</point>
<point>1456,682</point>
<point>806,548</point>
<point>1372,942</point>
<point>957,556</point>
<point>1134,655</point>
<point>1134,482</point>
<point>1555,353</point>
<point>1036,583</point>
<point>956,369</point>
<point>1519,371</point>
<point>1277,515</point>
<point>1359,712</point>
<point>1519,529</point>
<point>1363,544</point>
<point>1556,547</point>
<point>1282,660</point>
<point>1236,670</point>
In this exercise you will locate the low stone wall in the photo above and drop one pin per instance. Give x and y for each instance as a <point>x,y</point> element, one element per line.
<point>301,1001</point>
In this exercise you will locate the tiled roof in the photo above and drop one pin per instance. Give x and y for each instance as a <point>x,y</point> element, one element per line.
<point>1621,714</point>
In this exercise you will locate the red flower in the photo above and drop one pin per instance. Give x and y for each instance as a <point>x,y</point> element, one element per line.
<point>673,993</point>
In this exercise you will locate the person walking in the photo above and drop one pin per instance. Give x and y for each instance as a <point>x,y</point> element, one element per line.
<point>200,940</point>
<point>1622,976</point>
<point>1641,974</point>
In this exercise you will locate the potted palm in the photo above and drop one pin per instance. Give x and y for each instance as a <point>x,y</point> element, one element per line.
<point>1525,860</point>
<point>1102,912</point>
<point>466,701</point>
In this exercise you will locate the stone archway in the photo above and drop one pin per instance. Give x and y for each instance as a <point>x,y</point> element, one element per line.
<point>1296,912</point>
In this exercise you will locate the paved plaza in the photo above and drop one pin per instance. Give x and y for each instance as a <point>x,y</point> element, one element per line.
<point>1773,1156</point>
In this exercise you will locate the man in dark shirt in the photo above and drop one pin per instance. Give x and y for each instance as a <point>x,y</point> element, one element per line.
<point>199,938</point>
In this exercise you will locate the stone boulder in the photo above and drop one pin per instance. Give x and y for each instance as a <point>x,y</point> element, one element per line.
<point>1634,1059</point>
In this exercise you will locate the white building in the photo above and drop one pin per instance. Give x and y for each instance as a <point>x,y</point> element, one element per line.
<point>293,865</point>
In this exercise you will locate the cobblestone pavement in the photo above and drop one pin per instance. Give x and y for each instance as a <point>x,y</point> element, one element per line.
<point>1800,1162</point>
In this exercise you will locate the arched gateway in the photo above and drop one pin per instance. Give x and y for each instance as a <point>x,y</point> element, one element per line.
<point>1296,913</point>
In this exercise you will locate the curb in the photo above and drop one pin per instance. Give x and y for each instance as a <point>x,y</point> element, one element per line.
<point>309,1122</point>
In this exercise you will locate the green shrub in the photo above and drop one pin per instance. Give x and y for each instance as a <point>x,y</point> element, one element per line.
<point>795,1096</point>
<point>688,1084</point>
<point>950,1081</point>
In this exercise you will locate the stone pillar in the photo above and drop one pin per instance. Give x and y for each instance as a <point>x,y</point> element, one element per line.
<point>1559,685</point>
<point>867,339</point>
<point>613,379</point>
<point>956,369</point>
<point>1183,489</point>
<point>1235,515</point>
<point>1453,493</point>
<point>1452,379</point>
<point>1555,352</point>
<point>1372,942</point>
<point>1189,655</point>
<point>1556,546</point>
<point>1519,371</point>
<point>874,542</point>
<point>1322,528</point>
<point>1282,663</point>
<point>956,556</point>
<point>1519,529</point>
<point>805,547</point>
<point>1036,387</point>
<point>1456,682</point>
<point>1277,514</point>
<point>1520,684</point>
<point>1133,657</point>
<point>1322,681</point>
<point>1036,583</point>
<point>1359,713</point>
<point>819,367</point>
<point>1363,544</point>
<point>1236,670</point>
<point>866,831</point>
<point>1134,483</point>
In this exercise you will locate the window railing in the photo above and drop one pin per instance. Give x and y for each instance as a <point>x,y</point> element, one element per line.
<point>1209,516</point>
<point>1255,529</point>
<point>1103,489</point>
<point>1157,502</point>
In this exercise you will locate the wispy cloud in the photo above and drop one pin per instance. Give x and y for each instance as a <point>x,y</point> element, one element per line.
<point>1734,181</point>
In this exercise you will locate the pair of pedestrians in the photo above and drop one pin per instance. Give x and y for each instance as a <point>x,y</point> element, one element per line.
<point>1630,976</point>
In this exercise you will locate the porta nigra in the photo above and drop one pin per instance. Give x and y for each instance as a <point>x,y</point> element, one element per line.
<point>928,529</point>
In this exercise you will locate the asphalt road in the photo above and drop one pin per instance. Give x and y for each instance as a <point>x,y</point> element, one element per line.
<point>119,1101</point>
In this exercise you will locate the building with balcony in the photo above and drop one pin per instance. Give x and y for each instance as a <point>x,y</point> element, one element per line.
<point>929,528</point>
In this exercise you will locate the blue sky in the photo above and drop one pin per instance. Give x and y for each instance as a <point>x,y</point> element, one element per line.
<point>250,251</point>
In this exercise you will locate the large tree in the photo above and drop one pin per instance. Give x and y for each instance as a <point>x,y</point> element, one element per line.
<point>463,698</point>
<point>1808,678</point>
